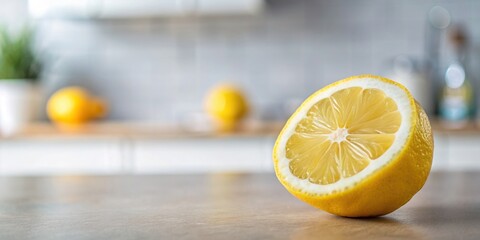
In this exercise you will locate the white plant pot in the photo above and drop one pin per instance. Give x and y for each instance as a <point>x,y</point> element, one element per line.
<point>19,105</point>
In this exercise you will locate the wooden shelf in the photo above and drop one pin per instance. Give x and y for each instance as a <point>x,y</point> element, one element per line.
<point>149,130</point>
<point>143,130</point>
<point>443,128</point>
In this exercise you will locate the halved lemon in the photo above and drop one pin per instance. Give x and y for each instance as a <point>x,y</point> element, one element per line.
<point>359,147</point>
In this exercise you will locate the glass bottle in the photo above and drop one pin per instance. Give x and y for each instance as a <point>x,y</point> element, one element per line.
<point>457,105</point>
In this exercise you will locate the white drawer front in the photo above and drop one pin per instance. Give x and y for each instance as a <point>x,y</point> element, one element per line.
<point>202,155</point>
<point>464,153</point>
<point>65,156</point>
<point>440,153</point>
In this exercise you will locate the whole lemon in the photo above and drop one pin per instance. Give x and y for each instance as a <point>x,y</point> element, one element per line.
<point>74,105</point>
<point>227,104</point>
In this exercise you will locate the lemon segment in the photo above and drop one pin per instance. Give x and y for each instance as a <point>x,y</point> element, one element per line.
<point>339,146</point>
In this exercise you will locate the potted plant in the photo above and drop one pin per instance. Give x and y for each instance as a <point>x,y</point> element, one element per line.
<point>19,70</point>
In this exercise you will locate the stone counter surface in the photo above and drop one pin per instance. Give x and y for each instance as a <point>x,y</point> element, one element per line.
<point>220,206</point>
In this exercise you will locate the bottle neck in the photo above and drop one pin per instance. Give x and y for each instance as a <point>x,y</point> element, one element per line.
<point>460,55</point>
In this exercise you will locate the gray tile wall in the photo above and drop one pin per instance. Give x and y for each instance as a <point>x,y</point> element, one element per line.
<point>160,69</point>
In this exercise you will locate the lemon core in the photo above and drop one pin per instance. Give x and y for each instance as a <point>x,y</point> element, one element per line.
<point>339,135</point>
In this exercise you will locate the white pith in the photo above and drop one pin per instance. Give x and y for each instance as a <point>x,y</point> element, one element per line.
<point>401,98</point>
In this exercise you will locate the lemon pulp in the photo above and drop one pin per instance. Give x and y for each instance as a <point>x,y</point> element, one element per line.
<point>342,134</point>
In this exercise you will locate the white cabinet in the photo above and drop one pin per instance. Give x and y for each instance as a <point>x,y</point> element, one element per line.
<point>440,153</point>
<point>59,156</point>
<point>108,9</point>
<point>136,155</point>
<point>202,155</point>
<point>464,152</point>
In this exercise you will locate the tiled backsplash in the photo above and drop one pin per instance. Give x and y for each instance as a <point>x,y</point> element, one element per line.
<point>160,69</point>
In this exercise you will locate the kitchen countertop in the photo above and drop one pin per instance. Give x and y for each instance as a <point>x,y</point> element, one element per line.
<point>220,206</point>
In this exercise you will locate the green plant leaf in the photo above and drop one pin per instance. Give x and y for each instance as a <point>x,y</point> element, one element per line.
<point>17,59</point>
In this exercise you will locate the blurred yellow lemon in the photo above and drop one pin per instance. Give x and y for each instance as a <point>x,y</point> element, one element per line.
<point>359,147</point>
<point>74,105</point>
<point>227,104</point>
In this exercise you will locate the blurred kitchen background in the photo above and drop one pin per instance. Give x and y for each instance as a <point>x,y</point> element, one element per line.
<point>155,63</point>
